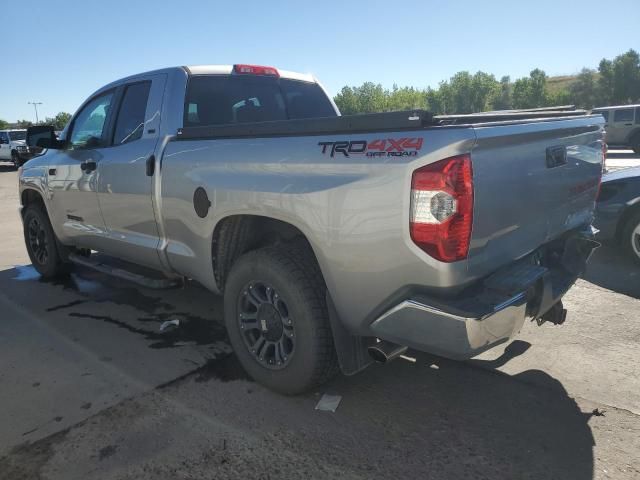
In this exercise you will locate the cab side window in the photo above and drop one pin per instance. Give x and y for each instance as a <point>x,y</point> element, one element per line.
<point>624,115</point>
<point>90,125</point>
<point>4,138</point>
<point>637,115</point>
<point>130,121</point>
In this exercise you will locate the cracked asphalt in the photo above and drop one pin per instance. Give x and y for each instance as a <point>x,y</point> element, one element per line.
<point>90,388</point>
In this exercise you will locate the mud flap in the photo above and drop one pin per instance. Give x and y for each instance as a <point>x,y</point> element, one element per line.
<point>350,349</point>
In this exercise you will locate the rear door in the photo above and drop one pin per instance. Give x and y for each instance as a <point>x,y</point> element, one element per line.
<point>620,125</point>
<point>125,185</point>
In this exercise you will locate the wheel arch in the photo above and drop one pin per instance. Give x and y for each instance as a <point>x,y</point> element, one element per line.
<point>30,196</point>
<point>634,136</point>
<point>237,234</point>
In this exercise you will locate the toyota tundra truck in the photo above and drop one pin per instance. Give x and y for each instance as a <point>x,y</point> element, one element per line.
<point>335,240</point>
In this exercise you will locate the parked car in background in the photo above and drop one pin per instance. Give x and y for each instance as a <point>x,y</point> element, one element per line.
<point>13,147</point>
<point>622,125</point>
<point>618,210</point>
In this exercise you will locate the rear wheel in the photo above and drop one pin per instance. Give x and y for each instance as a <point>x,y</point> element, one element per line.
<point>41,243</point>
<point>15,158</point>
<point>277,319</point>
<point>635,143</point>
<point>631,236</point>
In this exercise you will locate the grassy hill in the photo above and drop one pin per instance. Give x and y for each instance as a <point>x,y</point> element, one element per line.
<point>562,82</point>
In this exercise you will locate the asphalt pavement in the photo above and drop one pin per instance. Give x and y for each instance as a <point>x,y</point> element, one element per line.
<point>90,387</point>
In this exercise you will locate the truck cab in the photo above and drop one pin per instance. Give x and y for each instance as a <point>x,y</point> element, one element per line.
<point>13,147</point>
<point>622,125</point>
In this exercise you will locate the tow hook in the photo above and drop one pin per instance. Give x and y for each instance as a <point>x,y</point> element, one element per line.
<point>556,315</point>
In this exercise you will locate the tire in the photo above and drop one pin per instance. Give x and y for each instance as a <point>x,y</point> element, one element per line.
<point>277,319</point>
<point>631,236</point>
<point>635,143</point>
<point>15,158</point>
<point>42,244</point>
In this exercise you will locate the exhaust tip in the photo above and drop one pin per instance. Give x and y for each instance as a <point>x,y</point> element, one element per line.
<point>377,355</point>
<point>383,351</point>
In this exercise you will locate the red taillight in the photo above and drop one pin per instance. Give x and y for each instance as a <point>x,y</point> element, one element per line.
<point>442,208</point>
<point>255,70</point>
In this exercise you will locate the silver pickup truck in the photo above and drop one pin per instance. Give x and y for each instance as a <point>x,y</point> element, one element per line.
<point>334,240</point>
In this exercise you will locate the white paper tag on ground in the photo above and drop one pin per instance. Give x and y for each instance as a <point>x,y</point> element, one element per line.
<point>328,403</point>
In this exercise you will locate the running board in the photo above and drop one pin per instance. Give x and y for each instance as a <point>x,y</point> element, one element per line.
<point>143,281</point>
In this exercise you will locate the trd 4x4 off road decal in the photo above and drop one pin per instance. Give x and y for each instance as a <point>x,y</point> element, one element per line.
<point>386,147</point>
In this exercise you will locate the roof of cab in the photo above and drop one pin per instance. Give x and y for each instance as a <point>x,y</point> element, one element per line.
<point>228,69</point>
<point>616,106</point>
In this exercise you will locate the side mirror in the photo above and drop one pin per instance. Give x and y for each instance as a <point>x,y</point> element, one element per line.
<point>43,136</point>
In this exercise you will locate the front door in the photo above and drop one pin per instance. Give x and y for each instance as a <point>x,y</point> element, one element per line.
<point>73,176</point>
<point>126,172</point>
<point>620,125</point>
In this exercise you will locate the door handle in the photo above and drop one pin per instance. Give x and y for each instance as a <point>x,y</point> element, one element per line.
<point>88,166</point>
<point>628,124</point>
<point>556,156</point>
<point>151,165</point>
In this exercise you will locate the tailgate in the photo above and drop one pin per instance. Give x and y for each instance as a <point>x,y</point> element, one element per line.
<point>532,182</point>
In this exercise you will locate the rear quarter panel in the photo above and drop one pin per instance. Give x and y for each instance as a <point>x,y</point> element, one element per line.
<point>353,210</point>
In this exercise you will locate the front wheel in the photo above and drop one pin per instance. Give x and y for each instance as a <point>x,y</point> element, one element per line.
<point>41,243</point>
<point>277,319</point>
<point>15,158</point>
<point>631,236</point>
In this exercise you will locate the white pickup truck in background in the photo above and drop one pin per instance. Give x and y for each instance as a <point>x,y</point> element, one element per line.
<point>13,147</point>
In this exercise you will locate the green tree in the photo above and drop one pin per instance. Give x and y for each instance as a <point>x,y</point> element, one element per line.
<point>347,101</point>
<point>605,82</point>
<point>583,91</point>
<point>3,124</point>
<point>59,121</point>
<point>626,77</point>
<point>521,95</point>
<point>24,123</point>
<point>616,81</point>
<point>485,90</point>
<point>538,88</point>
<point>504,100</point>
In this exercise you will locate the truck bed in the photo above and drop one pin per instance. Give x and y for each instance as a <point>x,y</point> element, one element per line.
<point>370,122</point>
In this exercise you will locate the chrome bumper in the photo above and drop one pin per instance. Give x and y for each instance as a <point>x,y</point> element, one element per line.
<point>429,329</point>
<point>461,328</point>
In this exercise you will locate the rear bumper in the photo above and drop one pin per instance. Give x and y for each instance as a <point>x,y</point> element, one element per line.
<point>492,312</point>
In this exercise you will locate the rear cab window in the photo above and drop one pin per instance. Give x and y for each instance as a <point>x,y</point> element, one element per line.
<point>232,99</point>
<point>637,115</point>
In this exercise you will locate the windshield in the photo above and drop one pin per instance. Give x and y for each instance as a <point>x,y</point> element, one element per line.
<point>18,135</point>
